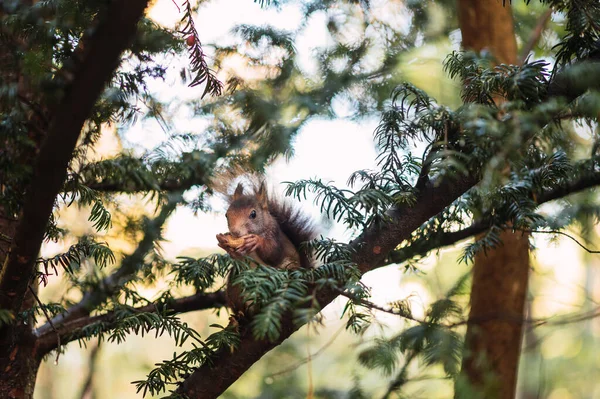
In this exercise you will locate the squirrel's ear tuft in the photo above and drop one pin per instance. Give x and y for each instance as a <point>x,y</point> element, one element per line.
<point>239,191</point>
<point>261,196</point>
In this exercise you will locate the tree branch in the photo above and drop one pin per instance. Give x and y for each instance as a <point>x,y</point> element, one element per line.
<point>535,35</point>
<point>372,249</point>
<point>480,226</point>
<point>131,187</point>
<point>129,266</point>
<point>67,331</point>
<point>591,180</point>
<point>372,246</point>
<point>99,60</point>
<point>441,240</point>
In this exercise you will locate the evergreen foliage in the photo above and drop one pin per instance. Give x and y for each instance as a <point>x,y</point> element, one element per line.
<point>523,151</point>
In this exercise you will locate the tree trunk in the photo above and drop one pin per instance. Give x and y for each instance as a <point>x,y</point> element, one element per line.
<point>493,340</point>
<point>500,276</point>
<point>18,362</point>
<point>22,229</point>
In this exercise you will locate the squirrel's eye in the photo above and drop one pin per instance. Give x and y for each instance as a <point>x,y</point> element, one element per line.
<point>253,214</point>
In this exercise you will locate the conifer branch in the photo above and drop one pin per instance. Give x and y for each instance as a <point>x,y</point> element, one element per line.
<point>67,331</point>
<point>450,238</point>
<point>371,305</point>
<point>203,74</point>
<point>131,187</point>
<point>103,47</point>
<point>125,273</point>
<point>371,247</point>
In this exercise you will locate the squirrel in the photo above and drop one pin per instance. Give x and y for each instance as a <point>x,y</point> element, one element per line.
<point>267,230</point>
<point>271,231</point>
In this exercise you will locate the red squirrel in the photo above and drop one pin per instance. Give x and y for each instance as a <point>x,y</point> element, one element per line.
<point>268,231</point>
<point>271,231</point>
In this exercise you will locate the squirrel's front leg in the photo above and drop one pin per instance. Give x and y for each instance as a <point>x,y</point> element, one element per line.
<point>251,243</point>
<point>231,251</point>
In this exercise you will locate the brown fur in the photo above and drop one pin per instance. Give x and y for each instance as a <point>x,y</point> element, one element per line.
<point>276,227</point>
<point>280,228</point>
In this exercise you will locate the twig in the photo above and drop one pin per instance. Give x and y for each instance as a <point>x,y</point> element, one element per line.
<point>535,35</point>
<point>401,377</point>
<point>591,251</point>
<point>49,321</point>
<point>371,305</point>
<point>310,356</point>
<point>88,386</point>
<point>6,238</point>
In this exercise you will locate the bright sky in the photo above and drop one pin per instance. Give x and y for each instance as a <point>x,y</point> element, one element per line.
<point>331,150</point>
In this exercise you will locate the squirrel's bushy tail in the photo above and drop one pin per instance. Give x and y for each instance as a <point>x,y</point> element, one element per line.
<point>296,225</point>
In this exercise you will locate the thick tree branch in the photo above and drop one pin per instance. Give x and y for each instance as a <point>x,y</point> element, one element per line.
<point>125,273</point>
<point>439,241</point>
<point>210,380</point>
<point>103,48</point>
<point>47,340</point>
<point>588,181</point>
<point>480,226</point>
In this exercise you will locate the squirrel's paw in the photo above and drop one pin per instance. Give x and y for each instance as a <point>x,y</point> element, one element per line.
<point>231,251</point>
<point>251,243</point>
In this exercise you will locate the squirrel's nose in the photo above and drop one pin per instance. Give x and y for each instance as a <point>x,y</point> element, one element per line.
<point>237,231</point>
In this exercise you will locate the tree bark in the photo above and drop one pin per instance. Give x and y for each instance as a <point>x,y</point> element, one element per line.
<point>372,247</point>
<point>22,234</point>
<point>494,332</point>
<point>19,364</point>
<point>500,276</point>
<point>488,25</point>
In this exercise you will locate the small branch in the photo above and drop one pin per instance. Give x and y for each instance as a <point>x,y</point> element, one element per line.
<point>87,390</point>
<point>5,238</point>
<point>167,185</point>
<point>401,377</point>
<point>592,180</point>
<point>591,251</point>
<point>371,305</point>
<point>58,344</point>
<point>441,240</point>
<point>129,267</point>
<point>310,356</point>
<point>533,323</point>
<point>93,68</point>
<point>567,319</point>
<point>535,35</point>
<point>66,332</point>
